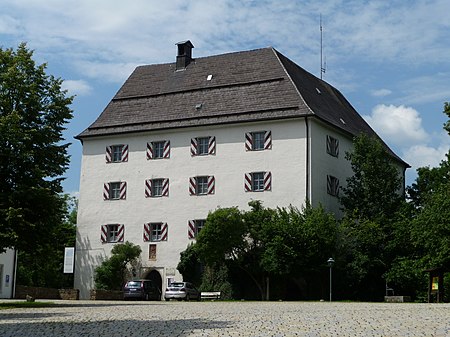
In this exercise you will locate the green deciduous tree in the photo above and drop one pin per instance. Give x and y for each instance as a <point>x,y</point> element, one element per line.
<point>189,265</point>
<point>223,236</point>
<point>373,191</point>
<point>372,200</point>
<point>43,267</point>
<point>112,273</point>
<point>263,243</point>
<point>299,241</point>
<point>33,157</point>
<point>428,182</point>
<point>422,234</point>
<point>447,112</point>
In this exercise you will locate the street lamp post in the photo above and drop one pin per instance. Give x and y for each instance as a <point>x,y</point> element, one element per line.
<point>330,264</point>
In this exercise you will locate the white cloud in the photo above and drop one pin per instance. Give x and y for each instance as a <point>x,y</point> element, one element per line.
<point>9,25</point>
<point>398,125</point>
<point>422,155</point>
<point>381,92</point>
<point>109,72</point>
<point>77,87</point>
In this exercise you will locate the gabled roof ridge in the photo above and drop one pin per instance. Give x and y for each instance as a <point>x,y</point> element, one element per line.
<point>276,52</point>
<point>207,57</point>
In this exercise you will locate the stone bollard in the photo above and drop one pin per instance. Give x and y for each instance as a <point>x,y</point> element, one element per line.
<point>29,298</point>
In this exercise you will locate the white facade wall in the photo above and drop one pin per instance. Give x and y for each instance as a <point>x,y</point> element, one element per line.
<point>7,274</point>
<point>324,164</point>
<point>286,161</point>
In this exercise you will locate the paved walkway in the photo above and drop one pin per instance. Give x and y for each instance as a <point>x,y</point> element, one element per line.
<point>312,319</point>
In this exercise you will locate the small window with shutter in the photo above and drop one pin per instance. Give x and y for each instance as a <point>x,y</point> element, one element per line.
<point>332,146</point>
<point>332,186</point>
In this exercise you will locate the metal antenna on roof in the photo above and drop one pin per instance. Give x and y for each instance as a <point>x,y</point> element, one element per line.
<point>323,65</point>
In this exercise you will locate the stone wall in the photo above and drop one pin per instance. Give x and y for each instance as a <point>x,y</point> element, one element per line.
<point>97,294</point>
<point>46,293</point>
<point>397,299</point>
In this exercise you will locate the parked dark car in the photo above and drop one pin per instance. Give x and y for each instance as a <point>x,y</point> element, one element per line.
<point>182,291</point>
<point>141,289</point>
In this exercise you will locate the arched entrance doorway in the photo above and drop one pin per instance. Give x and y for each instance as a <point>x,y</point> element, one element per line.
<point>155,277</point>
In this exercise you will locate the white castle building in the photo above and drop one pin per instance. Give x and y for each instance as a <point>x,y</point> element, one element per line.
<point>181,139</point>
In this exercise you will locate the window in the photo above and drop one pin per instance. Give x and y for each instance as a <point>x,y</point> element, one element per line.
<point>152,252</point>
<point>260,140</point>
<point>157,187</point>
<point>155,231</point>
<point>202,146</point>
<point>332,185</point>
<point>116,153</point>
<point>194,227</point>
<point>332,146</point>
<point>258,181</point>
<point>199,224</point>
<point>112,233</point>
<point>158,150</point>
<point>202,185</point>
<point>115,191</point>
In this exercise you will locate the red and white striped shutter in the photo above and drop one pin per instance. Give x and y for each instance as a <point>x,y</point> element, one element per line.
<point>194,146</point>
<point>123,190</point>
<point>267,181</point>
<point>166,153</point>
<point>192,186</point>
<point>165,188</point>
<point>149,151</point>
<point>211,185</point>
<point>248,141</point>
<point>268,140</point>
<point>108,154</point>
<point>148,188</point>
<point>164,232</point>
<point>121,233</point>
<point>106,191</point>
<point>147,232</point>
<point>191,229</point>
<point>125,153</point>
<point>212,145</point>
<point>104,233</point>
<point>248,182</point>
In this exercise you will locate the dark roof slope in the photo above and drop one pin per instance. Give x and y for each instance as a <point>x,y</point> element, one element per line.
<point>245,86</point>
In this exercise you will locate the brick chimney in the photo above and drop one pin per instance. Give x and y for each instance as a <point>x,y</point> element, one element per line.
<point>184,56</point>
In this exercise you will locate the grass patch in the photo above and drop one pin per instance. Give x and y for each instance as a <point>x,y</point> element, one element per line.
<point>23,304</point>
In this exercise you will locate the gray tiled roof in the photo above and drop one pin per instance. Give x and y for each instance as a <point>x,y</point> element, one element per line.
<point>246,86</point>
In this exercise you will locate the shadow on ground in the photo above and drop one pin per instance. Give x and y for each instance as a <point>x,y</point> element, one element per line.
<point>129,328</point>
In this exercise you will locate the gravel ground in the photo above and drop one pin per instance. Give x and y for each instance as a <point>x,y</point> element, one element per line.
<point>312,319</point>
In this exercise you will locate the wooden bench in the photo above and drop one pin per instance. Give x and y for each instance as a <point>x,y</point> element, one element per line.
<point>210,295</point>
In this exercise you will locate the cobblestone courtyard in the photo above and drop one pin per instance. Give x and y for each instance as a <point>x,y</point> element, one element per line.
<point>117,318</point>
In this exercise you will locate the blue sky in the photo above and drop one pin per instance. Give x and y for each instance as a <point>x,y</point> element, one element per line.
<point>391,59</point>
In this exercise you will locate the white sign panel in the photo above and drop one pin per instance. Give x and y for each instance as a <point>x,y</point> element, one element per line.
<point>69,254</point>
